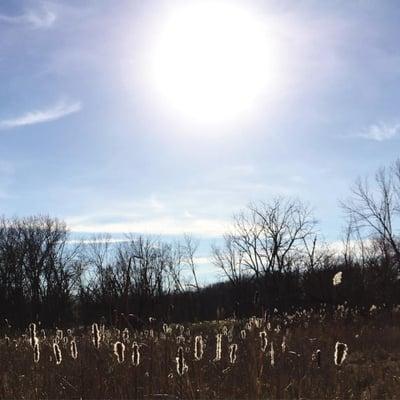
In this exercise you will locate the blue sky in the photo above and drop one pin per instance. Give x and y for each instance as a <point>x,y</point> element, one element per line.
<point>83,138</point>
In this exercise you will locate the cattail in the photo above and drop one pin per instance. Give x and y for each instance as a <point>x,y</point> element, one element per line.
<point>59,334</point>
<point>198,347</point>
<point>57,353</point>
<point>74,349</point>
<point>283,345</point>
<point>135,354</point>
<point>340,353</point>
<point>180,339</point>
<point>119,351</point>
<point>243,334</point>
<point>225,331</point>
<point>233,353</point>
<point>96,335</point>
<point>264,340</point>
<point>36,351</point>
<point>272,354</point>
<point>165,328</point>
<point>218,347</point>
<point>102,332</point>
<point>337,278</point>
<point>43,333</point>
<point>32,334</point>
<point>317,357</point>
<point>125,335</point>
<point>181,366</point>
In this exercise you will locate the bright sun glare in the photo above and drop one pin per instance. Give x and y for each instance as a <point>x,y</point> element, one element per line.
<point>212,61</point>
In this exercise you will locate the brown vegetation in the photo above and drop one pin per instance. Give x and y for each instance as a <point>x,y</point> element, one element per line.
<point>303,358</point>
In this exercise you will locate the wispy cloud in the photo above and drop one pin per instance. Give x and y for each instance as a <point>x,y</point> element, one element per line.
<point>39,18</point>
<point>57,111</point>
<point>381,131</point>
<point>164,225</point>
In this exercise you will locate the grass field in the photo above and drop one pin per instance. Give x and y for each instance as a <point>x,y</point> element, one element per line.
<point>282,357</point>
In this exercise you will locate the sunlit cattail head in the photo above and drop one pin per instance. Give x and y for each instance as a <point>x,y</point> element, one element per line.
<point>337,278</point>
<point>135,354</point>
<point>73,349</point>
<point>198,347</point>
<point>340,353</point>
<point>263,340</point>
<point>181,366</point>
<point>36,351</point>
<point>218,347</point>
<point>32,334</point>
<point>96,337</point>
<point>59,334</point>
<point>243,334</point>
<point>272,354</point>
<point>119,351</point>
<point>316,357</point>
<point>57,353</point>
<point>233,353</point>
<point>125,335</point>
<point>284,344</point>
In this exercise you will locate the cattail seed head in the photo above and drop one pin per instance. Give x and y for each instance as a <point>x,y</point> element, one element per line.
<point>57,353</point>
<point>135,354</point>
<point>59,334</point>
<point>119,351</point>
<point>233,353</point>
<point>32,334</point>
<point>340,353</point>
<point>36,351</point>
<point>272,354</point>
<point>181,366</point>
<point>96,337</point>
<point>125,335</point>
<point>198,347</point>
<point>218,347</point>
<point>73,349</point>
<point>263,341</point>
<point>337,278</point>
<point>317,357</point>
<point>284,345</point>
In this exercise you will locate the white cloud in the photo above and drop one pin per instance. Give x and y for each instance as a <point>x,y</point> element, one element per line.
<point>57,111</point>
<point>167,225</point>
<point>381,131</point>
<point>40,18</point>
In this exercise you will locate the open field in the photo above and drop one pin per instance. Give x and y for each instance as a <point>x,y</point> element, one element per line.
<point>276,357</point>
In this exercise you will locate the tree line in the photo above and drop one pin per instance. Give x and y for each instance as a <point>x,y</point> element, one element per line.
<point>273,257</point>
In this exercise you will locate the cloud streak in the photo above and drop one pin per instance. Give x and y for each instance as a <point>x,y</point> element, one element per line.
<point>381,131</point>
<point>40,18</point>
<point>57,111</point>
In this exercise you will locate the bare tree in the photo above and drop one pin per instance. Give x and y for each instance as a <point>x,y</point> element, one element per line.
<point>374,210</point>
<point>266,237</point>
<point>229,260</point>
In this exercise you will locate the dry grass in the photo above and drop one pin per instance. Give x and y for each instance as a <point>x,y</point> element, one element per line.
<point>294,359</point>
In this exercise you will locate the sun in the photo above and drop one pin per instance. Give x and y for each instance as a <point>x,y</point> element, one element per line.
<point>212,62</point>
